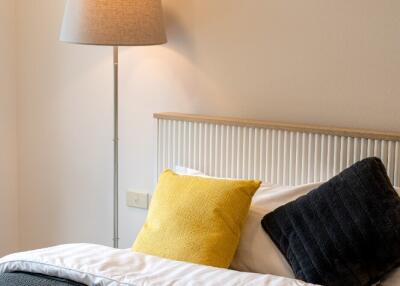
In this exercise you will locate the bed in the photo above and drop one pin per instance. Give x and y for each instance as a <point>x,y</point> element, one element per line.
<point>276,153</point>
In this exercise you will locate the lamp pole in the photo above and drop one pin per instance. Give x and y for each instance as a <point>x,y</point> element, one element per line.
<point>116,141</point>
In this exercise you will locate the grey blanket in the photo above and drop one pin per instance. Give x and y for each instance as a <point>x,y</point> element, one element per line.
<point>31,279</point>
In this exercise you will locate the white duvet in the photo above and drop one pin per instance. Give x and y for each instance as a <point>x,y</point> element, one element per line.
<point>99,265</point>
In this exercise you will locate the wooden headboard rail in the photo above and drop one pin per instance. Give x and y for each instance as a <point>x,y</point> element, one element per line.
<point>335,131</point>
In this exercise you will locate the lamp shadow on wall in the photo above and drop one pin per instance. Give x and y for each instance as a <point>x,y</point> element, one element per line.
<point>175,67</point>
<point>179,38</point>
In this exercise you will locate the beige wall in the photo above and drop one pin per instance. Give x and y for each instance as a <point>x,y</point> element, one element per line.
<point>8,131</point>
<point>318,62</point>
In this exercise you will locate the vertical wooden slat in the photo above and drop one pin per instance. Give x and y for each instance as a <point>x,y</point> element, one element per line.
<point>273,157</point>
<point>310,164</point>
<point>298,160</point>
<point>396,164</point>
<point>322,176</point>
<point>317,158</point>
<point>279,157</point>
<point>348,152</point>
<point>304,151</point>
<point>292,158</point>
<point>251,154</point>
<point>286,165</point>
<point>391,159</point>
<point>245,158</point>
<point>257,154</point>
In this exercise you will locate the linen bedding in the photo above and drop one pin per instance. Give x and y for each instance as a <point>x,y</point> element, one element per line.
<point>100,265</point>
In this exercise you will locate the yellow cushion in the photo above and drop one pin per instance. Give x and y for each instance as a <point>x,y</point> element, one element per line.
<point>196,219</point>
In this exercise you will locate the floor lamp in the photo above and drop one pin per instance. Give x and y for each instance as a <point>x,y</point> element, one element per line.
<point>114,23</point>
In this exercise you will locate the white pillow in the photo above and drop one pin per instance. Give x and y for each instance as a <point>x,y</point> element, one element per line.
<point>257,252</point>
<point>187,171</point>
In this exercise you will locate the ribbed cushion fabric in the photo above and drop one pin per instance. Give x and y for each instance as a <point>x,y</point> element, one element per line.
<point>346,232</point>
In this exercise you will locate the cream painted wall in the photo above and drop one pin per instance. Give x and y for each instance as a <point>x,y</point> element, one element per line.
<point>8,131</point>
<point>317,62</point>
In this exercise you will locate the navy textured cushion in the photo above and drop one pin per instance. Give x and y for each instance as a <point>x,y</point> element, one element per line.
<point>346,232</point>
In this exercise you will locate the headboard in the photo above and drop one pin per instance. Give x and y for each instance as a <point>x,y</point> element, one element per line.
<point>277,153</point>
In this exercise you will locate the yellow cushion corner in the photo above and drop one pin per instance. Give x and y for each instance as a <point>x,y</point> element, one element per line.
<point>196,219</point>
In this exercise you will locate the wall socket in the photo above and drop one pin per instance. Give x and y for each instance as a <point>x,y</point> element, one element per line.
<point>135,199</point>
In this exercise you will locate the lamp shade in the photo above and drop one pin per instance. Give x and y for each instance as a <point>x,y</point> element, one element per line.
<point>113,22</point>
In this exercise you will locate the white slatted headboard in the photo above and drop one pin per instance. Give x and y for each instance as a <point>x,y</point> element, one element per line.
<point>272,152</point>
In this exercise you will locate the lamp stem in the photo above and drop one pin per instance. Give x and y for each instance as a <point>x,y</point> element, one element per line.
<point>116,139</point>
